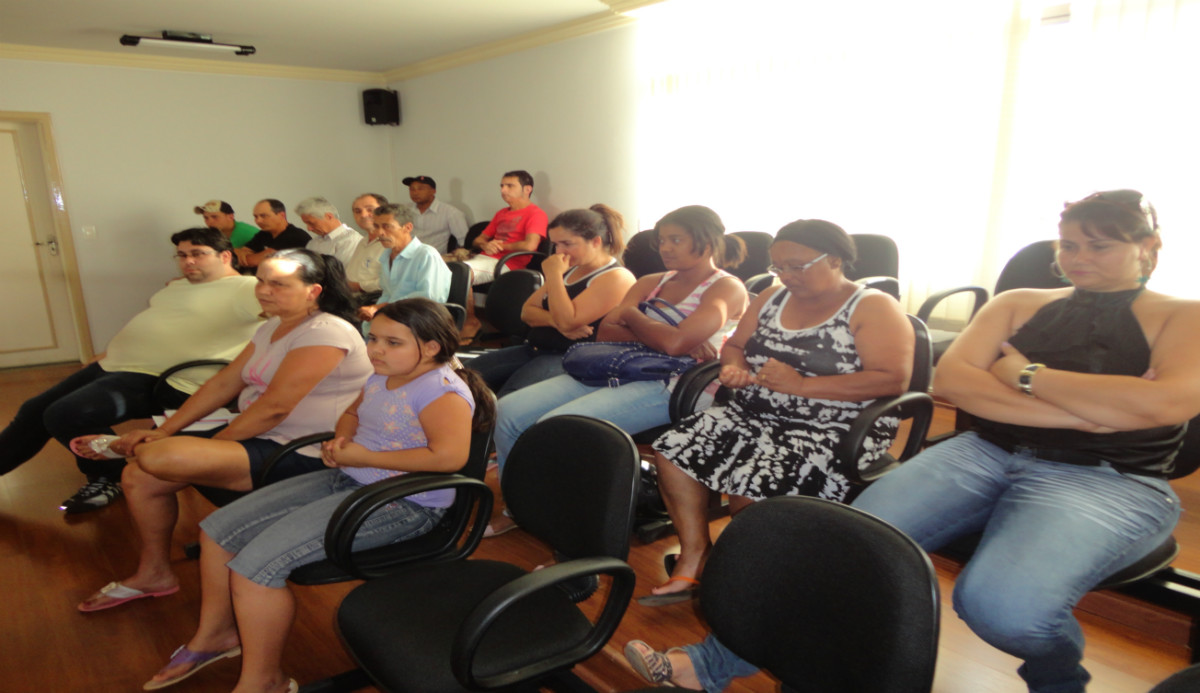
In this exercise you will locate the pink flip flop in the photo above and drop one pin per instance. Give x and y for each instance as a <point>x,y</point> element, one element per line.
<point>120,594</point>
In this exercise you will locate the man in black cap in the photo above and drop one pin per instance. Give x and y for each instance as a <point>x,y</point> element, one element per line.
<point>435,223</point>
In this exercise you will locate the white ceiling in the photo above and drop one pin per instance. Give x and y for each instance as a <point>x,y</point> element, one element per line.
<point>356,35</point>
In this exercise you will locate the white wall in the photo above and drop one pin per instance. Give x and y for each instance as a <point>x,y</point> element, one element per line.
<point>139,148</point>
<point>565,112</point>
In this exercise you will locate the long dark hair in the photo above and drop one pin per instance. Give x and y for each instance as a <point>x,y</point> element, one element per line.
<point>431,322</point>
<point>326,271</point>
<point>707,232</point>
<point>1122,215</point>
<point>599,220</point>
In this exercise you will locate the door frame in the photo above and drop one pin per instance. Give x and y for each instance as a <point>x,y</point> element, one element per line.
<point>62,225</point>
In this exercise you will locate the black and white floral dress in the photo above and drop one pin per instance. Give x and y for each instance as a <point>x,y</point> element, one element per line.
<point>764,443</point>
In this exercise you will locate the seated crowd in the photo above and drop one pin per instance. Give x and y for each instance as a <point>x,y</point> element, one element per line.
<point>1079,397</point>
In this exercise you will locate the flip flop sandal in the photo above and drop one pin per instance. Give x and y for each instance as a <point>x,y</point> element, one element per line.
<point>198,660</point>
<point>672,597</point>
<point>120,594</point>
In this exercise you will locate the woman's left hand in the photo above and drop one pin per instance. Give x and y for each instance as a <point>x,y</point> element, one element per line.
<point>779,377</point>
<point>1007,369</point>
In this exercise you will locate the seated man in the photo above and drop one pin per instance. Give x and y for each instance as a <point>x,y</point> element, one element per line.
<point>208,314</point>
<point>435,223</point>
<point>277,234</point>
<point>362,272</point>
<point>218,214</point>
<point>330,235</point>
<point>519,226</point>
<point>410,268</point>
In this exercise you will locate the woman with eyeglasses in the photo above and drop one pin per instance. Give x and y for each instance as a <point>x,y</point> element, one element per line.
<point>807,356</point>
<point>694,249</point>
<point>302,368</point>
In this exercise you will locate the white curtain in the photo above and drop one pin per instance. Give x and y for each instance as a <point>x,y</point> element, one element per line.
<point>958,129</point>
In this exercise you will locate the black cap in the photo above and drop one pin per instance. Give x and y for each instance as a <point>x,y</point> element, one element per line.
<point>420,179</point>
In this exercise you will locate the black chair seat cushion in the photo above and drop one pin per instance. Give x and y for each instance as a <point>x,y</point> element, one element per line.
<point>433,600</point>
<point>325,571</point>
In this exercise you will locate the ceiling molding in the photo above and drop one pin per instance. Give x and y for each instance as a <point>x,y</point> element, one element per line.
<point>601,21</point>
<point>149,62</point>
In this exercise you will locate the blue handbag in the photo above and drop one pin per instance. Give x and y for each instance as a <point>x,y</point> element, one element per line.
<point>615,363</point>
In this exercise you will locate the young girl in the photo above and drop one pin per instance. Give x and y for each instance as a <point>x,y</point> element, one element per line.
<point>415,414</point>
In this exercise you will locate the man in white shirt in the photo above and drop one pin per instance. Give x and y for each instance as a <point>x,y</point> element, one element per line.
<point>209,313</point>
<point>435,223</point>
<point>331,236</point>
<point>362,272</point>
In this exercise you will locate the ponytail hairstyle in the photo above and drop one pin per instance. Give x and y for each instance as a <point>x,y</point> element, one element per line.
<point>431,322</point>
<point>598,221</point>
<point>708,233</point>
<point>327,272</point>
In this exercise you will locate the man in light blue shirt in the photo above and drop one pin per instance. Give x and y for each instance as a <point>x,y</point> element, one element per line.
<point>408,267</point>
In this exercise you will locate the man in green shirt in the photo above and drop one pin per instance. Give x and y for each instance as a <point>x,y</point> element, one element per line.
<point>218,215</point>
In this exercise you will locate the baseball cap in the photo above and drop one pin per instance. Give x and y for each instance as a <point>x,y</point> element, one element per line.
<point>214,206</point>
<point>420,179</point>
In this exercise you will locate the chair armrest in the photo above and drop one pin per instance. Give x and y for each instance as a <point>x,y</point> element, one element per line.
<point>888,285</point>
<point>459,313</point>
<point>360,505</point>
<point>157,393</point>
<point>689,387</point>
<point>493,607</point>
<point>502,263</point>
<point>291,446</point>
<point>926,309</point>
<point>917,406</point>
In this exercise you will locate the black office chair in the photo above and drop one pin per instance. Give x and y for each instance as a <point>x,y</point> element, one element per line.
<point>161,391</point>
<point>473,232</point>
<point>505,299</point>
<point>1028,269</point>
<point>460,283</point>
<point>641,254</point>
<point>1185,681</point>
<point>825,597</point>
<point>461,625</point>
<point>877,266</point>
<point>758,258</point>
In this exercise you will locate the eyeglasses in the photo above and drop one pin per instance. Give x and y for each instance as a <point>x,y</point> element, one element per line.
<point>796,269</point>
<point>193,254</point>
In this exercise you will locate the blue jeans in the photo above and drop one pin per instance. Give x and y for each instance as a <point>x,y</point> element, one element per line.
<point>633,407</point>
<point>87,402</point>
<point>715,665</point>
<point>281,527</point>
<point>512,368</point>
<point>1051,532</point>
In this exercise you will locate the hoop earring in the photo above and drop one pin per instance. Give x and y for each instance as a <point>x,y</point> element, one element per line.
<point>1058,273</point>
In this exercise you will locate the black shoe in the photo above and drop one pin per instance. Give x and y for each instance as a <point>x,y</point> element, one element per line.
<point>93,496</point>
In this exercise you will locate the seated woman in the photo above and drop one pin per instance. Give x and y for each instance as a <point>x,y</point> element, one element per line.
<point>1080,397</point>
<point>805,359</point>
<point>414,415</point>
<point>301,370</point>
<point>693,246</point>
<point>583,282</point>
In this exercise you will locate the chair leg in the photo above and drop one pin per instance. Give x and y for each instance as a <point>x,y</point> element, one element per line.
<point>342,683</point>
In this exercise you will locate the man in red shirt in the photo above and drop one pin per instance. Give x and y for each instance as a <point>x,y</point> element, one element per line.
<point>520,226</point>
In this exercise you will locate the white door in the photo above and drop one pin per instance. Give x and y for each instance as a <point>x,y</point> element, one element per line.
<point>37,321</point>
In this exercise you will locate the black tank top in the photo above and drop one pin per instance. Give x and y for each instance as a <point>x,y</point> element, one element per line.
<point>546,338</point>
<point>1090,332</point>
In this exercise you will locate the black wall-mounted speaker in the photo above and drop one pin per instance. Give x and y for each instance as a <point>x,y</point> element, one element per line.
<point>381,107</point>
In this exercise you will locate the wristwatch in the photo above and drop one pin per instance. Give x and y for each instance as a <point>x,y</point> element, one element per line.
<point>1025,379</point>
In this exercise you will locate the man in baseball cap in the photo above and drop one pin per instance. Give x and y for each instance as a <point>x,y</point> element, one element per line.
<point>435,223</point>
<point>218,214</point>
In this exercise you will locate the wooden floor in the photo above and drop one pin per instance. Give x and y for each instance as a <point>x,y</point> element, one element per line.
<point>50,562</point>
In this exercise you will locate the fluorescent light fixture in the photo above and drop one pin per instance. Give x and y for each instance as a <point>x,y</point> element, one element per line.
<point>186,40</point>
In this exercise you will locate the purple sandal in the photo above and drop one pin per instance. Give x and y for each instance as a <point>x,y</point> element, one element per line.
<point>198,660</point>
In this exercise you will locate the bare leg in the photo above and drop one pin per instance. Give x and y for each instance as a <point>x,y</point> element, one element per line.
<point>471,325</point>
<point>739,503</point>
<point>265,616</point>
<point>687,504</point>
<point>217,631</point>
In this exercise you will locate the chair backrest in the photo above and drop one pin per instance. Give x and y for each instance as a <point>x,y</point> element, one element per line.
<point>473,232</point>
<point>825,597</point>
<point>507,294</point>
<point>1184,681</point>
<point>641,254</point>
<point>460,282</point>
<point>758,256</point>
<point>877,257</point>
<point>1029,269</point>
<point>572,482</point>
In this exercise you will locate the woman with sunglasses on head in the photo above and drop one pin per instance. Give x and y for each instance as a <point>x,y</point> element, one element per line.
<point>807,356</point>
